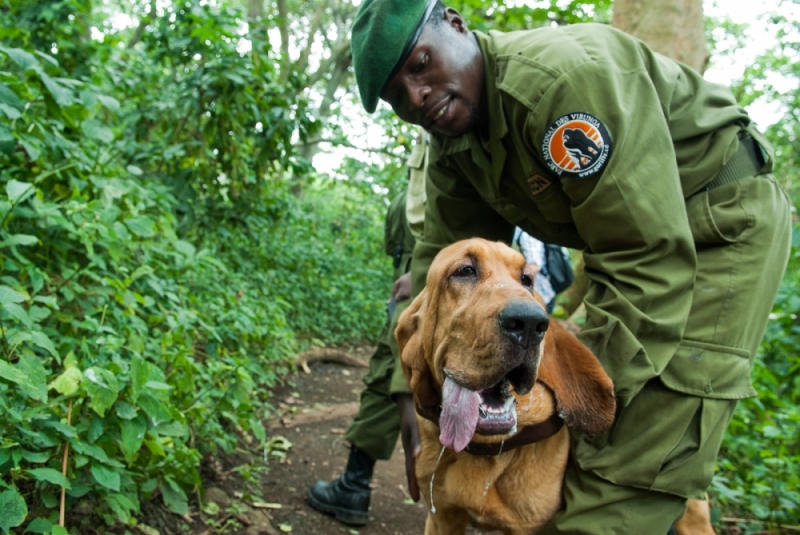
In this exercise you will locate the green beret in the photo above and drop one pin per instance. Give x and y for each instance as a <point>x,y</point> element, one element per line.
<point>384,33</point>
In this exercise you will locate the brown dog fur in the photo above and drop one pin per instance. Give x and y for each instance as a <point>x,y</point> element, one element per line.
<point>452,327</point>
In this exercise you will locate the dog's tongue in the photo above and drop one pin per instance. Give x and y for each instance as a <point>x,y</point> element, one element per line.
<point>459,415</point>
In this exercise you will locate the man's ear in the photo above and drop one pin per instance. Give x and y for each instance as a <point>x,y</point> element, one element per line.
<point>409,335</point>
<point>456,20</point>
<point>583,390</point>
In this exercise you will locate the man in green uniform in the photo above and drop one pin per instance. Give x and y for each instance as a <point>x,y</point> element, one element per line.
<point>374,431</point>
<point>583,136</point>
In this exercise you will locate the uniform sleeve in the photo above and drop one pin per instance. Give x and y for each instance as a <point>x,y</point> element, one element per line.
<point>453,211</point>
<point>640,256</point>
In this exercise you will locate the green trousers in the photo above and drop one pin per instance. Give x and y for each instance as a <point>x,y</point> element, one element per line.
<point>661,450</point>
<point>377,425</point>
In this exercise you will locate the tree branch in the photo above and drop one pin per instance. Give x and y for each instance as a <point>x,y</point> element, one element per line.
<point>283,27</point>
<point>147,19</point>
<point>302,62</point>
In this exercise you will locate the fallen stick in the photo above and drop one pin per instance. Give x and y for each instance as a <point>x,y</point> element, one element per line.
<point>317,414</point>
<point>326,354</point>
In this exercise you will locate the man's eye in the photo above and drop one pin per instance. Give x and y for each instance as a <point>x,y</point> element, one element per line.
<point>421,64</point>
<point>527,281</point>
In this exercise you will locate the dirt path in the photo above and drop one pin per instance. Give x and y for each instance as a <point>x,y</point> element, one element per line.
<point>319,451</point>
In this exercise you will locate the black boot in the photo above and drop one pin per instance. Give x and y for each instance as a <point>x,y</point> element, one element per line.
<point>347,497</point>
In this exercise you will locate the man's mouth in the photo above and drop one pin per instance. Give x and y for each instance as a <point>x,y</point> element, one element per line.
<point>437,112</point>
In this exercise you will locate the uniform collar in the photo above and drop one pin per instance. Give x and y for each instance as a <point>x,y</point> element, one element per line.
<point>497,121</point>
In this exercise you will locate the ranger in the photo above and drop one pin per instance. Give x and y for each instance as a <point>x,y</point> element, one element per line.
<point>584,137</point>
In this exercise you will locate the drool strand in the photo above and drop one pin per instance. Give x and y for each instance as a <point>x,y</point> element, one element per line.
<point>433,507</point>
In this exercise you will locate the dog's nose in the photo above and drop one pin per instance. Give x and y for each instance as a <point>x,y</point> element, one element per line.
<point>523,322</point>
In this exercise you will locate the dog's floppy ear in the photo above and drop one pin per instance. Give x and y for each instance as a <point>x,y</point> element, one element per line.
<point>409,335</point>
<point>584,392</point>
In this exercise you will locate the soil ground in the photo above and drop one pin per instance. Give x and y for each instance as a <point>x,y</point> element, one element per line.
<point>319,451</point>
<point>245,495</point>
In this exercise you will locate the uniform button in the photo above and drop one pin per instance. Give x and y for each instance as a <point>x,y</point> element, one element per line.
<point>555,228</point>
<point>708,389</point>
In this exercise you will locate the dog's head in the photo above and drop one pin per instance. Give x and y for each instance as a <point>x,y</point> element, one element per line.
<point>477,342</point>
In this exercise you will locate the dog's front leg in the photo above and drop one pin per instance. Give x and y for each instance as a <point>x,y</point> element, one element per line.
<point>447,521</point>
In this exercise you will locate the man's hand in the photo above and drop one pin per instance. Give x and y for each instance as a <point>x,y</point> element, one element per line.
<point>402,288</point>
<point>409,431</point>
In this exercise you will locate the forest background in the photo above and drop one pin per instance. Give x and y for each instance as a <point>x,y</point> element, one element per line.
<point>167,246</point>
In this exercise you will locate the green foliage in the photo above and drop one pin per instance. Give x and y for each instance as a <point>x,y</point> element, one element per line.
<point>156,272</point>
<point>758,474</point>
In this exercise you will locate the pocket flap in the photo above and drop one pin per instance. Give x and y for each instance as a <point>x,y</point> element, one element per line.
<point>709,371</point>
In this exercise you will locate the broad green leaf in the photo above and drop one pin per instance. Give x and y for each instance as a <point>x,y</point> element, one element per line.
<point>34,370</point>
<point>13,509</point>
<point>19,239</point>
<point>68,382</point>
<point>172,429</point>
<point>50,475</point>
<point>10,111</point>
<point>35,456</point>
<point>24,59</point>
<point>7,96</point>
<point>174,497</point>
<point>185,248</point>
<point>134,170</point>
<point>42,340</point>
<point>141,271</point>
<point>131,437</point>
<point>59,530</point>
<point>138,374</point>
<point>157,385</point>
<point>97,131</point>
<point>107,477</point>
<point>18,191</point>
<point>125,410</point>
<point>31,149</point>
<point>39,525</point>
<point>47,57</point>
<point>18,313</point>
<point>91,450</point>
<point>109,102</point>
<point>101,385</point>
<point>62,95</point>
<point>9,295</point>
<point>155,409</point>
<point>14,374</point>
<point>66,430</point>
<point>142,226</point>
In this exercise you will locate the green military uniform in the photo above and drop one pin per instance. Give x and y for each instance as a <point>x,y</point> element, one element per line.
<point>377,425</point>
<point>684,253</point>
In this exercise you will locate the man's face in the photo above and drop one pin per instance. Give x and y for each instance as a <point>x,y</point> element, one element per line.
<point>439,86</point>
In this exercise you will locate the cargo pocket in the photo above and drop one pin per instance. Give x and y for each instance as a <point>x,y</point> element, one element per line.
<point>718,216</point>
<point>717,376</point>
<point>668,437</point>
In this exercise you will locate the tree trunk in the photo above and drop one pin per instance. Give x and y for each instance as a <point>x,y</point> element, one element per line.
<point>674,28</point>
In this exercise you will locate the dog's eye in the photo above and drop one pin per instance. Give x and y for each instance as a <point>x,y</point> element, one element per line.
<point>465,271</point>
<point>527,280</point>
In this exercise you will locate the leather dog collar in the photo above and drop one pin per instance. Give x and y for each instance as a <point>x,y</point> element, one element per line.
<point>529,434</point>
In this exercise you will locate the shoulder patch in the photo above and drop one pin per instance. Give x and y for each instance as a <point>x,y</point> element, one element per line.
<point>576,145</point>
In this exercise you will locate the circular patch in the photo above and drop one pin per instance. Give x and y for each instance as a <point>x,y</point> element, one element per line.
<point>576,145</point>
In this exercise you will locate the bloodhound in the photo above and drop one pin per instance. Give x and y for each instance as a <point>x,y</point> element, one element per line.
<point>494,380</point>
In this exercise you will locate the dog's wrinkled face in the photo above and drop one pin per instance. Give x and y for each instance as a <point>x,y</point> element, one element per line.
<point>476,339</point>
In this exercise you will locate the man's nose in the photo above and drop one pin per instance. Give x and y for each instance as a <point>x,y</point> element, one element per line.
<point>418,95</point>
